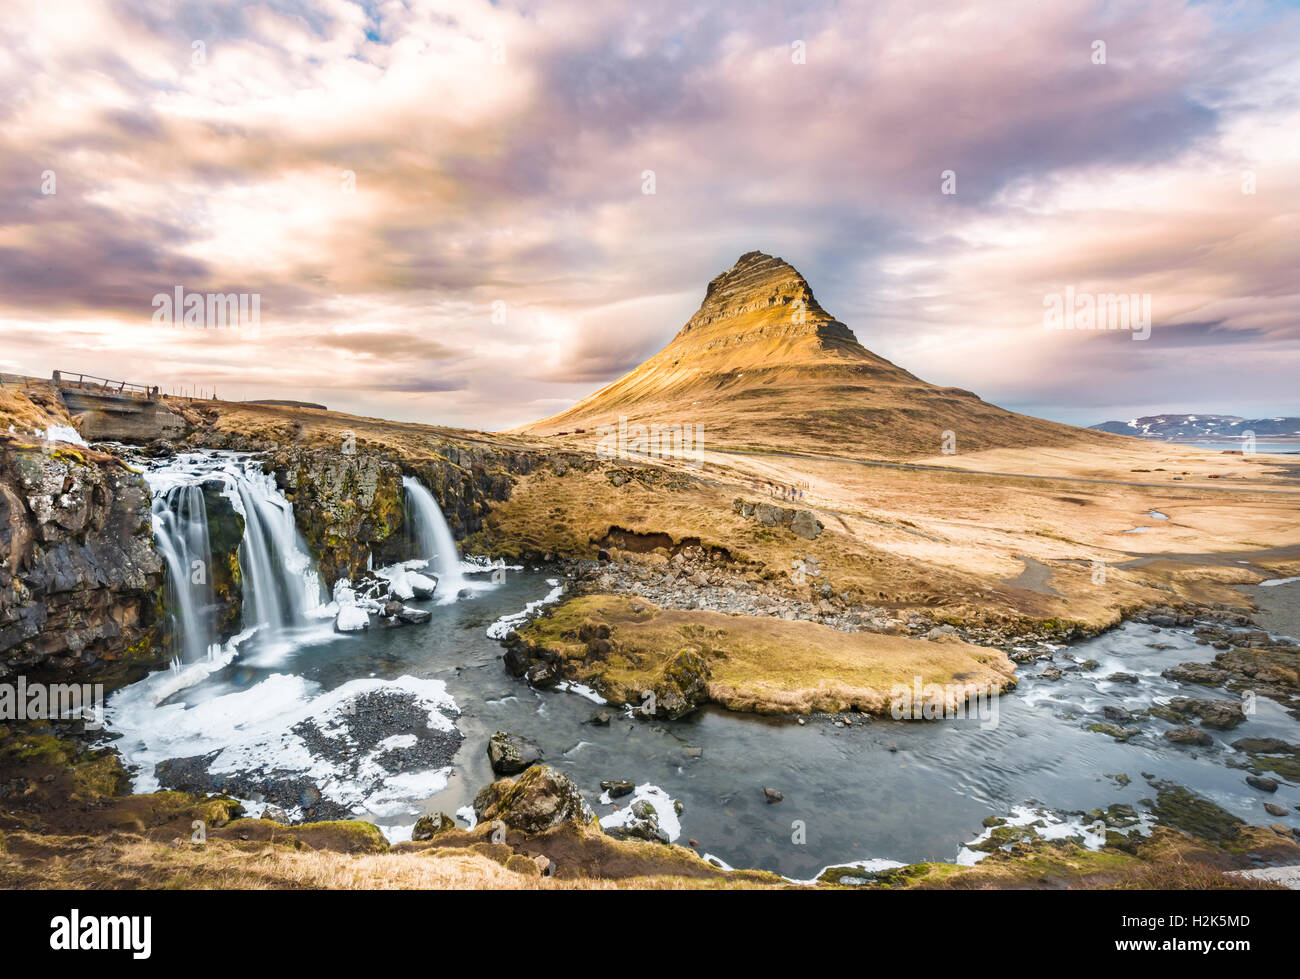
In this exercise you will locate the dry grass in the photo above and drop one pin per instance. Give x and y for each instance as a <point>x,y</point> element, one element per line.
<point>904,544</point>
<point>761,664</point>
<point>1182,875</point>
<point>30,408</point>
<point>86,863</point>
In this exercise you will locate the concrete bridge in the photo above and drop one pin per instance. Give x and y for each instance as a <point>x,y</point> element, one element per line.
<point>117,411</point>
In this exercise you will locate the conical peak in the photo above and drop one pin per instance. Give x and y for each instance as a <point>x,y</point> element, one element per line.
<point>766,295</point>
<point>755,276</point>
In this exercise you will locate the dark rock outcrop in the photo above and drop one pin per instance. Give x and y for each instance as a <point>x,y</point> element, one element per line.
<point>80,581</point>
<point>510,754</point>
<point>225,532</point>
<point>427,827</point>
<point>804,523</point>
<point>350,506</point>
<point>685,685</point>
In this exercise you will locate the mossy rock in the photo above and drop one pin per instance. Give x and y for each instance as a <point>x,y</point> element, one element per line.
<point>684,685</point>
<point>1182,809</point>
<point>1114,730</point>
<point>427,827</point>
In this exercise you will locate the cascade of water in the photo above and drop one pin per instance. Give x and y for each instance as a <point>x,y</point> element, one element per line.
<point>281,584</point>
<point>180,522</point>
<point>432,537</point>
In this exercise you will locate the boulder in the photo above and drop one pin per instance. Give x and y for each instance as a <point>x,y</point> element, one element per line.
<point>351,618</point>
<point>413,616</point>
<point>536,801</point>
<point>806,524</point>
<point>1189,735</point>
<point>510,754</point>
<point>618,789</point>
<point>1221,714</point>
<point>427,827</point>
<point>422,586</point>
<point>1262,782</point>
<point>541,675</point>
<point>773,516</point>
<point>641,823</point>
<point>684,685</point>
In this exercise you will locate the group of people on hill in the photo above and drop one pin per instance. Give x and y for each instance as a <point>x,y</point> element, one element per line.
<point>784,492</point>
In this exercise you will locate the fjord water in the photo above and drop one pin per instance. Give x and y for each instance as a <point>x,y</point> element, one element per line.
<point>893,790</point>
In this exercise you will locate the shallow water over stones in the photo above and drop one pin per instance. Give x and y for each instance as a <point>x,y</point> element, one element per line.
<point>871,789</point>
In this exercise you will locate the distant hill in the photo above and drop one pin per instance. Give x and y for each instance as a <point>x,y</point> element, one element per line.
<point>277,403</point>
<point>762,365</point>
<point>1200,428</point>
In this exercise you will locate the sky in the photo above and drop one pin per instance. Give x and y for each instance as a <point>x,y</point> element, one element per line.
<point>443,208</point>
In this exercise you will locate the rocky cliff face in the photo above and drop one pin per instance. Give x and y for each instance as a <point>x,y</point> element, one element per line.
<point>348,507</point>
<point>351,507</point>
<point>467,479</point>
<point>80,581</point>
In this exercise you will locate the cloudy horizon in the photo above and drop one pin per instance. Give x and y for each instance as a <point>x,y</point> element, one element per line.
<point>443,207</point>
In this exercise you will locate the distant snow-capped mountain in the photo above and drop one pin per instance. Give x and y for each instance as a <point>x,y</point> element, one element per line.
<point>1202,427</point>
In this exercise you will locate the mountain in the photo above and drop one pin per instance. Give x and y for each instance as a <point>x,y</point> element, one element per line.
<point>761,365</point>
<point>1201,427</point>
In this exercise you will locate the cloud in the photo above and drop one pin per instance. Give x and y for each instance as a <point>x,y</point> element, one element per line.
<point>386,176</point>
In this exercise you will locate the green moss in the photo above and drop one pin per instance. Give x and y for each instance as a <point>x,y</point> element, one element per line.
<point>342,835</point>
<point>1182,809</point>
<point>218,812</point>
<point>95,774</point>
<point>1114,730</point>
<point>1287,767</point>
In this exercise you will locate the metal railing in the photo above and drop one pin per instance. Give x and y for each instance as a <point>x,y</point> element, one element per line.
<point>103,385</point>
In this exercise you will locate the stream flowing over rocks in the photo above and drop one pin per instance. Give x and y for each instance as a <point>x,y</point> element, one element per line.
<point>338,658</point>
<point>412,742</point>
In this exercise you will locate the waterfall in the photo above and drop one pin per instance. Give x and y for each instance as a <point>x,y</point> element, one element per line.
<point>283,583</point>
<point>180,525</point>
<point>281,586</point>
<point>432,538</point>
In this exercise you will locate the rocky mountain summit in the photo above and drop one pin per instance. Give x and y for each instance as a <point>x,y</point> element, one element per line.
<point>762,365</point>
